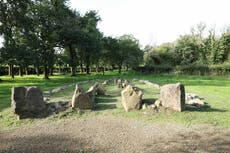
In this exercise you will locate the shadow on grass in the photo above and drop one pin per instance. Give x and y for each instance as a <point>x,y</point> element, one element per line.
<point>205,108</point>
<point>105,100</point>
<point>100,107</point>
<point>51,109</point>
<point>45,142</point>
<point>149,101</point>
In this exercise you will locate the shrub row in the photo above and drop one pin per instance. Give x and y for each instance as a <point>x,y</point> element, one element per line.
<point>154,69</point>
<point>188,69</point>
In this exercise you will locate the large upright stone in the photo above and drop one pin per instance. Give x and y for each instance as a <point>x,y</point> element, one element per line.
<point>173,96</point>
<point>131,98</point>
<point>119,83</point>
<point>99,89</point>
<point>83,100</point>
<point>125,83</point>
<point>27,101</point>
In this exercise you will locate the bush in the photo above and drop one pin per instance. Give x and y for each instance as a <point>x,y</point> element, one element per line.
<point>220,69</point>
<point>154,69</point>
<point>195,69</point>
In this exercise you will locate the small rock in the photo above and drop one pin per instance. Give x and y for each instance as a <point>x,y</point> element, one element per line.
<point>158,103</point>
<point>196,101</point>
<point>119,83</point>
<point>106,82</point>
<point>46,99</point>
<point>153,106</point>
<point>144,106</point>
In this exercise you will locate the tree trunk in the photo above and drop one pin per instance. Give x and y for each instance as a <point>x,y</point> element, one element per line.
<point>51,71</point>
<point>59,69</point>
<point>46,73</point>
<point>72,60</point>
<point>119,69</point>
<point>73,71</point>
<point>27,72</point>
<point>37,71</point>
<point>21,71</point>
<point>127,67</point>
<point>81,65</point>
<point>103,70</point>
<point>11,70</point>
<point>112,66</point>
<point>87,69</point>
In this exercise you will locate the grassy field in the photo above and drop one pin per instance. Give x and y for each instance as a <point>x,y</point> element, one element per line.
<point>214,89</point>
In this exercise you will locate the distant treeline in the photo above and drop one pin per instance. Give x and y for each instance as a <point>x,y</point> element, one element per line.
<point>47,36</point>
<point>188,70</point>
<point>201,52</point>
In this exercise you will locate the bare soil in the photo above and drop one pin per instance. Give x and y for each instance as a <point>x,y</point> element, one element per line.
<point>114,134</point>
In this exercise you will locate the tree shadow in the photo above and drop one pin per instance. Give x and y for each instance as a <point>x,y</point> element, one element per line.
<point>51,109</point>
<point>148,101</point>
<point>204,108</point>
<point>57,143</point>
<point>105,100</point>
<point>101,106</point>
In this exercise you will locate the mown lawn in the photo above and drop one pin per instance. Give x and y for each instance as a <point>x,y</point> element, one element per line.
<point>214,89</point>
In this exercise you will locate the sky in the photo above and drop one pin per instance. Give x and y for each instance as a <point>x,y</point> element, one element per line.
<point>154,22</point>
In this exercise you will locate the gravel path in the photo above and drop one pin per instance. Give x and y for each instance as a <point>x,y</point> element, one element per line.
<point>113,134</point>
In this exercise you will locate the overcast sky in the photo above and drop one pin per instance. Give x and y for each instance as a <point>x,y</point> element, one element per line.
<point>155,21</point>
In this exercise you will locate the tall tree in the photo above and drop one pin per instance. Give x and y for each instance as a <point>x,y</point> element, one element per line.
<point>46,16</point>
<point>186,50</point>
<point>14,23</point>
<point>90,43</point>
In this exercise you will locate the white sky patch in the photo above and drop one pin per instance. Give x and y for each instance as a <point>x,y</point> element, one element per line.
<point>155,21</point>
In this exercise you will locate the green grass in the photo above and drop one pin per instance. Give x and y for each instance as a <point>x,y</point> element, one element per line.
<point>214,89</point>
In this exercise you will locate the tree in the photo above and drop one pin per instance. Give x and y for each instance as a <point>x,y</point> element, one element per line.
<point>128,52</point>
<point>70,34</point>
<point>14,25</point>
<point>186,50</point>
<point>198,36</point>
<point>160,55</point>
<point>224,49</point>
<point>90,44</point>
<point>46,14</point>
<point>110,48</point>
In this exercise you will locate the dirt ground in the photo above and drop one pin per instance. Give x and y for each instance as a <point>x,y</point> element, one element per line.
<point>114,134</point>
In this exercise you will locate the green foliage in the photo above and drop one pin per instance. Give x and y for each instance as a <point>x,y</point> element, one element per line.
<point>154,69</point>
<point>160,55</point>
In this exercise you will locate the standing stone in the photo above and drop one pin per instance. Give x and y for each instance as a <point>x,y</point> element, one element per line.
<point>99,89</point>
<point>106,82</point>
<point>115,81</point>
<point>125,83</point>
<point>173,96</point>
<point>27,101</point>
<point>91,94</point>
<point>119,83</point>
<point>131,98</point>
<point>83,100</point>
<point>158,103</point>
